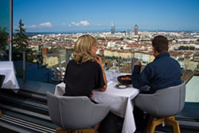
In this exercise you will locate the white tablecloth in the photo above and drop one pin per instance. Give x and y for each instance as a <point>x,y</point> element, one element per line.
<point>120,103</point>
<point>118,99</point>
<point>7,69</point>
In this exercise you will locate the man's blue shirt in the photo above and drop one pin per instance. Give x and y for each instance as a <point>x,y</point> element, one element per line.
<point>163,72</point>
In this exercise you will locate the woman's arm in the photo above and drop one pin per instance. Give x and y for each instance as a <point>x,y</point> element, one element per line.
<point>99,61</point>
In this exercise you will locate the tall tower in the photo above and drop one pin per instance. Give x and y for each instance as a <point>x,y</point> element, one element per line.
<point>112,29</point>
<point>129,32</point>
<point>136,29</point>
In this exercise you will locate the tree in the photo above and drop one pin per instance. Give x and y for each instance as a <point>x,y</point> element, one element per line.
<point>197,68</point>
<point>3,38</point>
<point>21,40</point>
<point>20,44</point>
<point>101,38</point>
<point>3,44</point>
<point>138,39</point>
<point>186,48</point>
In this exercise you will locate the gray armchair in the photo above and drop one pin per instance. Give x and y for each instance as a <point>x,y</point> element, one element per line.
<point>163,105</point>
<point>71,113</point>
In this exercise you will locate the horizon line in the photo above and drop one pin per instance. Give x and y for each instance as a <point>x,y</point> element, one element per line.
<point>108,30</point>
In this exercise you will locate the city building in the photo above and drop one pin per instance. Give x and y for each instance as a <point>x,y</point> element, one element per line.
<point>136,29</point>
<point>28,105</point>
<point>129,32</point>
<point>113,29</point>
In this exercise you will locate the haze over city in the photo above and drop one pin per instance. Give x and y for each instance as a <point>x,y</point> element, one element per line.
<point>95,15</point>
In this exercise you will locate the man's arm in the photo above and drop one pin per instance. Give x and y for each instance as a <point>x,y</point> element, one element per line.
<point>140,80</point>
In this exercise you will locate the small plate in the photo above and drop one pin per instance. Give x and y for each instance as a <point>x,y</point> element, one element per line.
<point>121,86</point>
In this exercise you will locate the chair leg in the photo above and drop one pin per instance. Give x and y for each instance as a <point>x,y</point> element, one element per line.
<point>149,124</point>
<point>90,130</point>
<point>0,113</point>
<point>171,121</point>
<point>156,123</point>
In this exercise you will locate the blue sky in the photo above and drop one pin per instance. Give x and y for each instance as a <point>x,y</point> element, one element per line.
<point>99,15</point>
<point>4,14</point>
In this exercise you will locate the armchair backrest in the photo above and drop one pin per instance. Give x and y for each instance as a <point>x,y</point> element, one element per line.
<point>164,102</point>
<point>75,112</point>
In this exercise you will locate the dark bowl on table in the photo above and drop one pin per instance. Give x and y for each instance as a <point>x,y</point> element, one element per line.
<point>124,79</point>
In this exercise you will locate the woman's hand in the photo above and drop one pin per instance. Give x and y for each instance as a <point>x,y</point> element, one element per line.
<point>99,61</point>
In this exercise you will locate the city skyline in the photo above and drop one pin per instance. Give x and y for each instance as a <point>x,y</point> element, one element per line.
<point>93,15</point>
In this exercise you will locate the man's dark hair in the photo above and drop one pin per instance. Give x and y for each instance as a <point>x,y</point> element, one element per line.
<point>160,43</point>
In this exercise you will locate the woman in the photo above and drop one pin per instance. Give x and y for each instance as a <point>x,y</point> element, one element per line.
<point>84,73</point>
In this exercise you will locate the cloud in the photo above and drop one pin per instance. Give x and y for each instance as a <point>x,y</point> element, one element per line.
<point>32,26</point>
<point>46,24</point>
<point>42,25</point>
<point>83,22</point>
<point>76,24</point>
<point>16,27</point>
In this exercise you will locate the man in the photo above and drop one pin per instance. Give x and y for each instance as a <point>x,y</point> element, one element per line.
<point>163,72</point>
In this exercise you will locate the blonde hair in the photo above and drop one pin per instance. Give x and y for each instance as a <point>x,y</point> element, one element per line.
<point>82,49</point>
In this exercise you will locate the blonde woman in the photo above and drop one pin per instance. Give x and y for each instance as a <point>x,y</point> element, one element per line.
<point>84,73</point>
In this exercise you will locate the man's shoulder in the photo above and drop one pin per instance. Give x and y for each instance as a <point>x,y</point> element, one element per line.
<point>173,61</point>
<point>151,64</point>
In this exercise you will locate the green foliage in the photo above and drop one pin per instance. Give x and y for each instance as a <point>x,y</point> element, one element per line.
<point>197,68</point>
<point>20,44</point>
<point>138,39</point>
<point>3,38</point>
<point>71,49</point>
<point>144,40</point>
<point>103,39</point>
<point>197,40</point>
<point>186,48</point>
<point>111,57</point>
<point>21,40</point>
<point>116,39</point>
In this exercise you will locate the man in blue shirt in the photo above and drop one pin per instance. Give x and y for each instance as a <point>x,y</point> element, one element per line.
<point>163,72</point>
